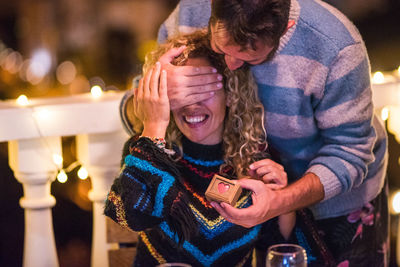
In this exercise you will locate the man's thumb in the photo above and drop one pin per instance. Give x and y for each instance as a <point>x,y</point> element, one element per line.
<point>251,184</point>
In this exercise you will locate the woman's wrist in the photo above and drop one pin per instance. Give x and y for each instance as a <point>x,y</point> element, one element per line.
<point>158,141</point>
<point>154,130</point>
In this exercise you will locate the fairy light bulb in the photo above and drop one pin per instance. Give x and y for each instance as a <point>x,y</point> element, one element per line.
<point>96,91</point>
<point>62,177</point>
<point>385,113</point>
<point>22,100</point>
<point>396,202</point>
<point>58,160</point>
<point>83,173</point>
<point>378,78</point>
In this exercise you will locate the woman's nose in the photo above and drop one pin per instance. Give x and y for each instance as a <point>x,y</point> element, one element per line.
<point>233,63</point>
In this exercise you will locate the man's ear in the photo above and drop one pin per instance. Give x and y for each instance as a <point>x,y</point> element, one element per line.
<point>290,24</point>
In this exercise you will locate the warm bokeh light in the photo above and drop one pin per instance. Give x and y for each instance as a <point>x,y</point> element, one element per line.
<point>66,72</point>
<point>24,70</point>
<point>58,160</point>
<point>22,100</point>
<point>13,62</point>
<point>39,66</point>
<point>3,56</point>
<point>378,78</point>
<point>42,114</point>
<point>145,48</point>
<point>30,75</point>
<point>396,202</point>
<point>398,70</point>
<point>79,85</point>
<point>385,113</point>
<point>96,91</point>
<point>41,59</point>
<point>62,177</point>
<point>83,173</point>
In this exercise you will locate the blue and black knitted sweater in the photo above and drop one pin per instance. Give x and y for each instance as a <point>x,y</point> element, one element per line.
<point>150,196</point>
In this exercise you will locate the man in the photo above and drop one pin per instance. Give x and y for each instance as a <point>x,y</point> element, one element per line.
<point>312,70</point>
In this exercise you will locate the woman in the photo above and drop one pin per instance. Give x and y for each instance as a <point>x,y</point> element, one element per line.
<point>160,190</point>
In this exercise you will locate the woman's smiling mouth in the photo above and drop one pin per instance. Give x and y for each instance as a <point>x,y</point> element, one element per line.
<point>195,120</point>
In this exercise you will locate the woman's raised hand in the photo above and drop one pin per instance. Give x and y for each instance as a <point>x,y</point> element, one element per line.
<point>152,103</point>
<point>271,173</point>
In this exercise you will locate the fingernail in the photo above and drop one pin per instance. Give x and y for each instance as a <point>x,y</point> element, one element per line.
<point>251,166</point>
<point>158,63</point>
<point>214,70</point>
<point>213,204</point>
<point>219,77</point>
<point>219,85</point>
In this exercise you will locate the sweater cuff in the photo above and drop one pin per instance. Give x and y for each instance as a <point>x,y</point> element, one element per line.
<point>123,106</point>
<point>122,113</point>
<point>330,182</point>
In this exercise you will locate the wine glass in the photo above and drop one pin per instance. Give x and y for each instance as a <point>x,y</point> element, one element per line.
<point>174,264</point>
<point>286,255</point>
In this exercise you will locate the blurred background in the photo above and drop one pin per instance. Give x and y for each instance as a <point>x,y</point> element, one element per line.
<point>65,47</point>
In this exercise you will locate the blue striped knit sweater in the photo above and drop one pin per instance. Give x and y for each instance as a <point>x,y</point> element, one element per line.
<point>317,97</point>
<point>144,196</point>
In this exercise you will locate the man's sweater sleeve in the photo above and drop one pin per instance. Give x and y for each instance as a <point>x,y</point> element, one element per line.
<point>123,109</point>
<point>344,116</point>
<point>143,193</point>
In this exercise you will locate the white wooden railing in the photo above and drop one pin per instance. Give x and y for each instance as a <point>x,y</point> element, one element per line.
<point>34,133</point>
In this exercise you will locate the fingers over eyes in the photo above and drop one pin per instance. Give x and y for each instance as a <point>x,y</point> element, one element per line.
<point>197,70</point>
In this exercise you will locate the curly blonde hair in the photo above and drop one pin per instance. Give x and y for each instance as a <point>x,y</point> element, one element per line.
<point>244,136</point>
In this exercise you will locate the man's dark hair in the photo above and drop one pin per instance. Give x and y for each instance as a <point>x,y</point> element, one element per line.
<point>249,20</point>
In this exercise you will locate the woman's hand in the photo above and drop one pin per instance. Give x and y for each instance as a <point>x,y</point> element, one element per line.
<point>270,172</point>
<point>151,102</point>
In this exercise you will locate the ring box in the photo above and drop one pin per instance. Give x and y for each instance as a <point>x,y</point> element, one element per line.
<point>222,189</point>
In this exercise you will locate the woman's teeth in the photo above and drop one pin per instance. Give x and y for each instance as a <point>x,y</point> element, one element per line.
<point>195,119</point>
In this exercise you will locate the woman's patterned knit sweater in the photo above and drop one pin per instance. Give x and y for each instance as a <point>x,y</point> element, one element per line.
<point>145,198</point>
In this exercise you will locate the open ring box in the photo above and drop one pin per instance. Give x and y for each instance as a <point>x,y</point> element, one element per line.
<point>222,189</point>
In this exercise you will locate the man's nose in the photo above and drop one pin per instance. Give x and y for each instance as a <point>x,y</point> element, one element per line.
<point>233,63</point>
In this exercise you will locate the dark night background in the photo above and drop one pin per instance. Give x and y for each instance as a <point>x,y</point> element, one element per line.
<point>377,20</point>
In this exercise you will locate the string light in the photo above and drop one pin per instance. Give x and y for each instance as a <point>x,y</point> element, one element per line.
<point>22,100</point>
<point>62,177</point>
<point>398,70</point>
<point>378,78</point>
<point>396,202</point>
<point>385,113</point>
<point>58,160</point>
<point>96,91</point>
<point>83,173</point>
